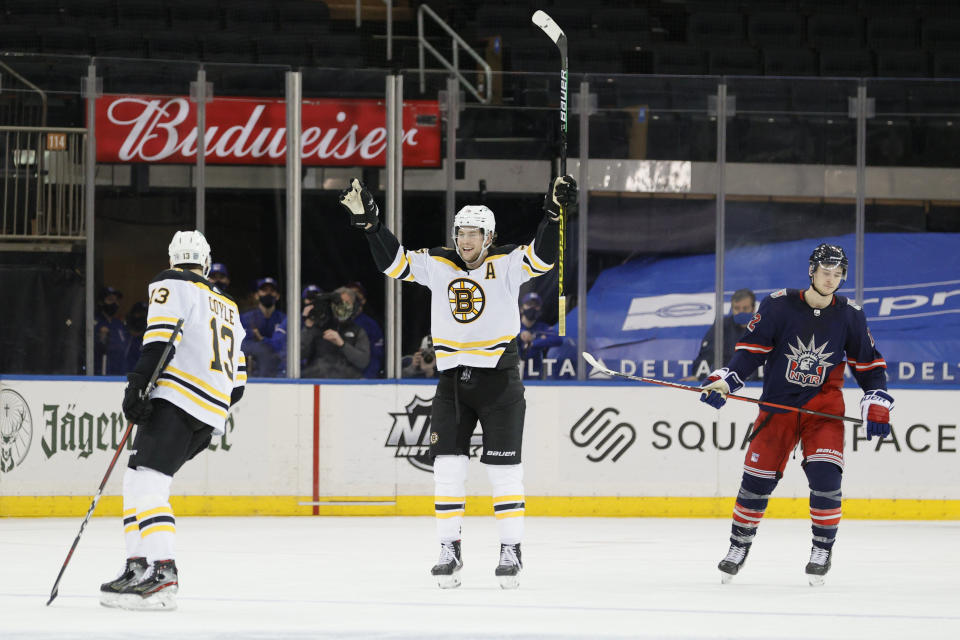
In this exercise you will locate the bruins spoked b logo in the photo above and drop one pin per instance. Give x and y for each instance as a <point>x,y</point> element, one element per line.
<point>466,300</point>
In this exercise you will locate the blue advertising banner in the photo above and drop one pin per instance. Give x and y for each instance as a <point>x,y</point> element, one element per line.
<point>648,317</point>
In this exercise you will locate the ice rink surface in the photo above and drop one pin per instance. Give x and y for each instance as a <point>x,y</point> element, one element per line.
<point>355,577</point>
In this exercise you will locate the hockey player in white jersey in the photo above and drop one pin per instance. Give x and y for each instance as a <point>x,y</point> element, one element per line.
<point>204,376</point>
<point>474,320</point>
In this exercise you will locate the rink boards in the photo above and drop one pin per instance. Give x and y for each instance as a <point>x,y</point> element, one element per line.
<point>595,449</point>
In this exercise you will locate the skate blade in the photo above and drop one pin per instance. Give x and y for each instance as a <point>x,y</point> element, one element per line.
<point>449,582</point>
<point>726,578</point>
<point>162,601</point>
<point>816,581</point>
<point>509,582</point>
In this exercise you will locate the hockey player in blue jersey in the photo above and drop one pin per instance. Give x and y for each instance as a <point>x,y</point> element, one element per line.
<point>803,338</point>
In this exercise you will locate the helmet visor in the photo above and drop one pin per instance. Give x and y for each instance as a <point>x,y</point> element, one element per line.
<point>832,266</point>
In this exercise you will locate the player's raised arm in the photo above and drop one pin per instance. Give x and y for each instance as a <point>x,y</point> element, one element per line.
<point>390,257</point>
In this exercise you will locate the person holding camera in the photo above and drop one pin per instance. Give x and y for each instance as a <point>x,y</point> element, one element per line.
<point>332,345</point>
<point>423,363</point>
<point>474,287</point>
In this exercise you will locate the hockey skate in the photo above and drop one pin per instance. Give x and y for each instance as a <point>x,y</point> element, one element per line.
<point>447,569</point>
<point>733,562</point>
<point>133,570</point>
<point>155,591</point>
<point>508,572</point>
<point>818,566</point>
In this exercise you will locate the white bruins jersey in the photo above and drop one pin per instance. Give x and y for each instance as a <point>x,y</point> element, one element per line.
<point>474,314</point>
<point>208,363</point>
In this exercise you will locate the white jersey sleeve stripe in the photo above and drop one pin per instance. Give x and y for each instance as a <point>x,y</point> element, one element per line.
<point>398,264</point>
<point>200,383</point>
<point>204,405</point>
<point>473,352</point>
<point>162,320</point>
<point>535,261</point>
<point>160,335</point>
<point>468,345</point>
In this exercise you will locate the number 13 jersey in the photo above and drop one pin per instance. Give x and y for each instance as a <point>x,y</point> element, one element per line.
<point>208,363</point>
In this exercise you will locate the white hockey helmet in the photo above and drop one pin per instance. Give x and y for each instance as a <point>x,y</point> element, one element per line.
<point>475,216</point>
<point>190,247</point>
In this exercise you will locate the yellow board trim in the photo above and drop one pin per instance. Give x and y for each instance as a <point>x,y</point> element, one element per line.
<point>453,499</point>
<point>603,506</point>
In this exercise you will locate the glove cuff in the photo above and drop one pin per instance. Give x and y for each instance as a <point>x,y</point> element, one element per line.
<point>732,378</point>
<point>136,380</point>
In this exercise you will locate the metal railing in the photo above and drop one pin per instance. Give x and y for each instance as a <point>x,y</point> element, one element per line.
<point>453,66</point>
<point>43,183</point>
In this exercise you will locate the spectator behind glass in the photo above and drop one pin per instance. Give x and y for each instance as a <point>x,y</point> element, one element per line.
<point>535,336</point>
<point>135,324</point>
<point>278,341</point>
<point>332,345</point>
<point>422,363</point>
<point>742,306</point>
<point>219,276</point>
<point>263,359</point>
<point>374,333</point>
<point>110,336</point>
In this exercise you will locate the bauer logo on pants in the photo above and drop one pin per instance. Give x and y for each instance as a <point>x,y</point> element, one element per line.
<point>601,436</point>
<point>410,435</point>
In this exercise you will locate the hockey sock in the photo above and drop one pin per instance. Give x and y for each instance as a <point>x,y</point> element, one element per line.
<point>155,519</point>
<point>824,479</point>
<point>508,501</point>
<point>748,511</point>
<point>131,532</point>
<point>450,499</point>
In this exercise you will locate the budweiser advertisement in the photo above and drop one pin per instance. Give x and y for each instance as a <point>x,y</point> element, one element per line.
<point>340,132</point>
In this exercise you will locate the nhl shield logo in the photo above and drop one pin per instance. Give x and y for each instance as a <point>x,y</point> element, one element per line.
<point>808,363</point>
<point>410,434</point>
<point>16,429</point>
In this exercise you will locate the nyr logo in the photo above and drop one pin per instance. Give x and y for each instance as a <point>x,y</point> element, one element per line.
<point>410,435</point>
<point>808,363</point>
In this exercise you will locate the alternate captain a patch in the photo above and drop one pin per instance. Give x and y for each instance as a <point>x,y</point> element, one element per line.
<point>467,300</point>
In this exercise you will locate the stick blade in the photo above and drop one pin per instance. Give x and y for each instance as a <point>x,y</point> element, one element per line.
<point>590,360</point>
<point>545,22</point>
<point>53,594</point>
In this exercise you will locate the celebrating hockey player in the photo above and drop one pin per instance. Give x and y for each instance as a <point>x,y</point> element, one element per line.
<point>473,320</point>
<point>803,338</point>
<point>204,376</point>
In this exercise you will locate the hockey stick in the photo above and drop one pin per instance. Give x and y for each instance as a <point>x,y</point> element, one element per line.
<point>126,434</point>
<point>599,367</point>
<point>555,33</point>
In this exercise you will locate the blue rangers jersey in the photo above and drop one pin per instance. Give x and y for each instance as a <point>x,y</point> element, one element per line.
<point>800,347</point>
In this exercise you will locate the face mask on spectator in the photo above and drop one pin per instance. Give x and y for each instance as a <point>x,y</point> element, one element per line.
<point>531,314</point>
<point>742,318</point>
<point>111,308</point>
<point>342,311</point>
<point>268,300</point>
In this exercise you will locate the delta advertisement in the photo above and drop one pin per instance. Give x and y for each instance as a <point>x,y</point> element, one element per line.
<point>648,317</point>
<point>303,444</point>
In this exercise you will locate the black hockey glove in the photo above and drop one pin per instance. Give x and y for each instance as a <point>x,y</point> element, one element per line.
<point>136,408</point>
<point>359,202</point>
<point>561,197</point>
